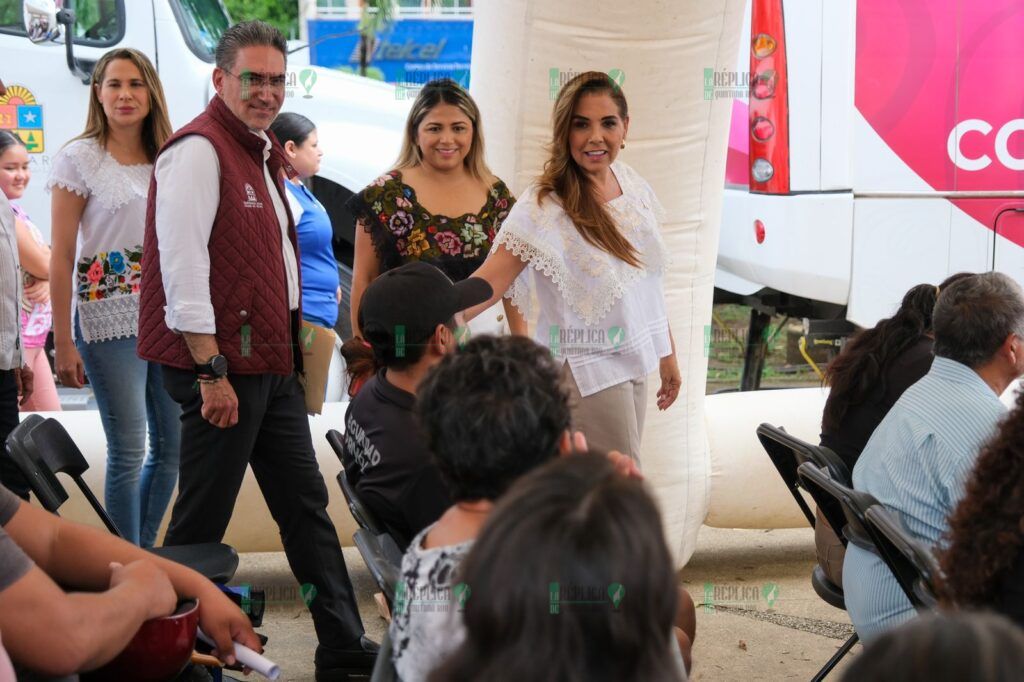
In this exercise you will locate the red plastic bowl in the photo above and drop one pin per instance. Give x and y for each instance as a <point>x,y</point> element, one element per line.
<point>159,650</point>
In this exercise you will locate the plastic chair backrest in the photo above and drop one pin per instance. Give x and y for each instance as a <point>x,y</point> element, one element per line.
<point>786,453</point>
<point>384,572</point>
<point>831,462</point>
<point>363,516</point>
<point>58,450</point>
<point>52,444</point>
<point>913,564</point>
<point>830,507</point>
<point>335,439</point>
<point>852,503</point>
<point>47,489</point>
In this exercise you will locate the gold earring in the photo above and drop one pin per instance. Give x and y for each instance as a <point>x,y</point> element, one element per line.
<point>623,146</point>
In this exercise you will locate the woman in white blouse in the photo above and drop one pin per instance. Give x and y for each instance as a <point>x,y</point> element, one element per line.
<point>100,183</point>
<point>589,230</point>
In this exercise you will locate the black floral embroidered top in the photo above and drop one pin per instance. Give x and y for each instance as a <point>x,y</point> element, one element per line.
<point>403,231</point>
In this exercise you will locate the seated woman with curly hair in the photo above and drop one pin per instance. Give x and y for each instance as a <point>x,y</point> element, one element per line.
<point>983,564</point>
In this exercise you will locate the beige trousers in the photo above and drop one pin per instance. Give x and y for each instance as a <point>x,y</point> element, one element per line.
<point>612,419</point>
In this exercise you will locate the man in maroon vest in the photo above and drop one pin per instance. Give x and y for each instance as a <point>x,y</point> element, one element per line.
<point>219,310</point>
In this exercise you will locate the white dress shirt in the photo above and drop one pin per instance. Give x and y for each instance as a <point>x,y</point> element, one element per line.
<point>188,195</point>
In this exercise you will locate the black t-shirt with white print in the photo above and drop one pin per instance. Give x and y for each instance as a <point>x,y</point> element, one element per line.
<point>386,458</point>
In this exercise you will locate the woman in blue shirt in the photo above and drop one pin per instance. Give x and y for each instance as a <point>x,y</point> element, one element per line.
<point>321,290</point>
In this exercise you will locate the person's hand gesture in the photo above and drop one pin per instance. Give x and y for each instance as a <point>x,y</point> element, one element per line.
<point>671,381</point>
<point>25,381</point>
<point>70,370</point>
<point>225,624</point>
<point>624,464</point>
<point>38,291</point>
<point>152,584</point>
<point>220,404</point>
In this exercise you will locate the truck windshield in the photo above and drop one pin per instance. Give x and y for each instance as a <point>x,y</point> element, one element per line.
<point>202,22</point>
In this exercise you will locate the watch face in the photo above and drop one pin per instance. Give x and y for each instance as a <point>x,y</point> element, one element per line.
<point>219,364</point>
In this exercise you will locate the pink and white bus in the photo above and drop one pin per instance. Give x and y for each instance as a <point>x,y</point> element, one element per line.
<point>880,144</point>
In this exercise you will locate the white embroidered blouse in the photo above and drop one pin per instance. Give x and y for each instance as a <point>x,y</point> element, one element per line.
<point>606,318</point>
<point>108,255</point>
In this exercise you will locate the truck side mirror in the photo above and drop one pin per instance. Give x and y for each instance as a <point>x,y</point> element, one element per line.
<point>40,17</point>
<point>49,21</point>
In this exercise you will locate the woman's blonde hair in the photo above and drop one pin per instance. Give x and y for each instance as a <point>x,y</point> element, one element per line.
<point>564,178</point>
<point>156,128</point>
<point>445,91</point>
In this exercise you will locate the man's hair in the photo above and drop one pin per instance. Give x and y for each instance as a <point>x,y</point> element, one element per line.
<point>492,411</point>
<point>248,34</point>
<point>974,315</point>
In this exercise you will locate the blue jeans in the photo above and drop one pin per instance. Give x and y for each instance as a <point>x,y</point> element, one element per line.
<point>130,395</point>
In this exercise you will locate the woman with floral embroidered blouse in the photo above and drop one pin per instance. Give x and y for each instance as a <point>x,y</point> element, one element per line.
<point>100,184</point>
<point>589,231</point>
<point>440,204</point>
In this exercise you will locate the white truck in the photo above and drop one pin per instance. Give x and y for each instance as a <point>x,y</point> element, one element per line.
<point>875,145</point>
<point>359,121</point>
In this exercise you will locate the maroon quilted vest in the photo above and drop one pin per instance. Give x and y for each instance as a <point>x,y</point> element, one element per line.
<point>256,331</point>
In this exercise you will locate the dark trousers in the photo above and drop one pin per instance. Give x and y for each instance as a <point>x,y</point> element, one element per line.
<point>10,474</point>
<point>272,436</point>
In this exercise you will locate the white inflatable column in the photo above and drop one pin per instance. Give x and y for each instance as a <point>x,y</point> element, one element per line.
<point>523,50</point>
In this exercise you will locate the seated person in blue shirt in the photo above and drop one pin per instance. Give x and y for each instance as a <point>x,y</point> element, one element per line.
<point>408,316</point>
<point>321,288</point>
<point>919,457</point>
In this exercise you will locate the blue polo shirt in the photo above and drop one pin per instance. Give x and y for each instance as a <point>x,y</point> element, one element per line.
<point>316,257</point>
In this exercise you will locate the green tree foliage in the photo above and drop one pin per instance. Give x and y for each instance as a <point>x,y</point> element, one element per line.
<point>281,13</point>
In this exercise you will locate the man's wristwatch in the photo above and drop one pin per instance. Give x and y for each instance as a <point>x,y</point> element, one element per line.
<point>215,368</point>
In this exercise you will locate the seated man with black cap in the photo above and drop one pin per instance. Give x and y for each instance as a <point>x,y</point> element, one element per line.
<point>409,316</point>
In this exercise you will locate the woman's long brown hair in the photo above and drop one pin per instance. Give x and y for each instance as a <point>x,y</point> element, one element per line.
<point>575,189</point>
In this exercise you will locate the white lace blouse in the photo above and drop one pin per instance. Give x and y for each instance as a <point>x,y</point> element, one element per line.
<point>606,318</point>
<point>108,255</point>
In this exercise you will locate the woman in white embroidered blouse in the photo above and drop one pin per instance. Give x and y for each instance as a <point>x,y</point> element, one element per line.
<point>589,230</point>
<point>100,183</point>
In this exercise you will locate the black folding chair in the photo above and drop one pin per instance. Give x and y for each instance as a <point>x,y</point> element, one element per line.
<point>788,453</point>
<point>42,448</point>
<point>859,530</point>
<point>360,512</point>
<point>915,563</point>
<point>378,551</point>
<point>783,450</point>
<point>376,542</point>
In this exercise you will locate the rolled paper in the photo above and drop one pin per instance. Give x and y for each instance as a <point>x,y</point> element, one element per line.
<point>249,658</point>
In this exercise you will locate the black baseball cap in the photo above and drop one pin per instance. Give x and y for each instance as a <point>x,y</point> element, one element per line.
<point>405,305</point>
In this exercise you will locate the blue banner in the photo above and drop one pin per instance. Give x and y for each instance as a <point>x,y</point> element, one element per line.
<point>409,51</point>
